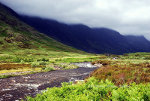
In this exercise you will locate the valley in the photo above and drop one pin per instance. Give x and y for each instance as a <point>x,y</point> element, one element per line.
<point>46,60</point>
<point>117,78</point>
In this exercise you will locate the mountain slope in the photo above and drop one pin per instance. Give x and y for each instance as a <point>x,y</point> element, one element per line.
<point>16,35</point>
<point>140,42</point>
<point>94,40</point>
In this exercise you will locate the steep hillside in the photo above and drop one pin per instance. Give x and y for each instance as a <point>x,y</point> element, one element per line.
<point>139,42</point>
<point>16,35</point>
<point>94,40</point>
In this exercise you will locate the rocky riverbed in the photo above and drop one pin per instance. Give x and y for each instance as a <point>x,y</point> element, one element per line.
<point>17,88</point>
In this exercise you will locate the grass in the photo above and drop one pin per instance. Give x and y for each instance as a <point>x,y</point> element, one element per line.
<point>20,71</point>
<point>82,58</point>
<point>38,63</point>
<point>95,90</point>
<point>47,61</point>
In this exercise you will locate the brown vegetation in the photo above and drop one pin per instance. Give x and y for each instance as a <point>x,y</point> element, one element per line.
<point>120,74</point>
<point>9,66</point>
<point>103,62</point>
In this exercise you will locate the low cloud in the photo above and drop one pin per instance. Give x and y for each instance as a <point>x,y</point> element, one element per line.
<point>125,16</point>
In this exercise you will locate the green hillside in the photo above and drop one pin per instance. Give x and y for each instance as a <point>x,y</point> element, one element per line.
<point>21,44</point>
<point>18,38</point>
<point>15,35</point>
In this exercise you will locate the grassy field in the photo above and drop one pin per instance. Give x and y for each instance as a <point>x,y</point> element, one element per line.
<point>39,61</point>
<point>121,78</point>
<point>28,60</point>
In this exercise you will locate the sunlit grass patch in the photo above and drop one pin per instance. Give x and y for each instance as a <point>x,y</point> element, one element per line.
<point>19,70</point>
<point>81,58</point>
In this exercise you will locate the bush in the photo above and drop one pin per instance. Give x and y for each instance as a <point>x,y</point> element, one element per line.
<point>124,73</point>
<point>133,92</point>
<point>94,90</point>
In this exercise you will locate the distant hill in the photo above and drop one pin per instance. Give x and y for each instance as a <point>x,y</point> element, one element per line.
<point>16,35</point>
<point>93,40</point>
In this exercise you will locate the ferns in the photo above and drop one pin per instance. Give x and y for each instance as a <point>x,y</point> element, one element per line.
<point>94,90</point>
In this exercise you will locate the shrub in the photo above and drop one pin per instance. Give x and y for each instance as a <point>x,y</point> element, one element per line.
<point>95,90</point>
<point>123,73</point>
<point>133,92</point>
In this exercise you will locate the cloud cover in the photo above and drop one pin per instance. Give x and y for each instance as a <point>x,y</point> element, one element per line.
<point>125,16</point>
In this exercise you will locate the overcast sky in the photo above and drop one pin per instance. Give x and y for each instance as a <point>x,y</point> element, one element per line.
<point>125,16</point>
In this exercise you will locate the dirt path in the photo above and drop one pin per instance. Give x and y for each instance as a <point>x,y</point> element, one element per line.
<point>16,88</point>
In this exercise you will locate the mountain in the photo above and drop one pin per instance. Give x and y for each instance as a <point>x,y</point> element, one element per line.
<point>15,35</point>
<point>93,40</point>
<point>140,42</point>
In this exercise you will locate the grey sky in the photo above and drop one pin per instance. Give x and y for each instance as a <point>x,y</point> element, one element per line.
<point>125,16</point>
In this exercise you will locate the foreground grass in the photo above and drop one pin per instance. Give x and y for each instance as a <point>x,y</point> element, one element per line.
<point>94,90</point>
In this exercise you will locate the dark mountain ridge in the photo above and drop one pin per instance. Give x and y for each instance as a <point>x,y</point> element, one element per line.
<point>93,40</point>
